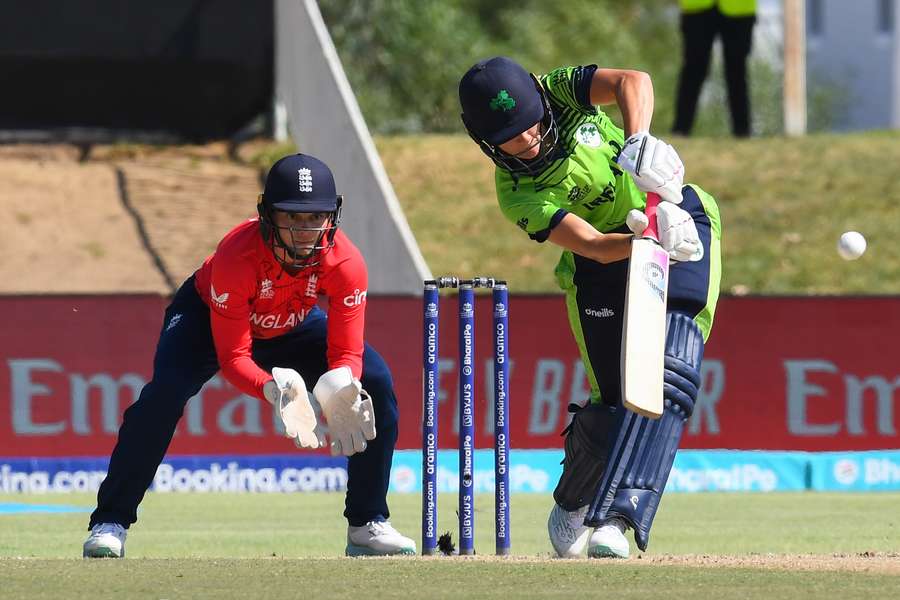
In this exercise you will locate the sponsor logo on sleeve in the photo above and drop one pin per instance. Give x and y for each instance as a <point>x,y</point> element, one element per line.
<point>356,298</point>
<point>219,300</point>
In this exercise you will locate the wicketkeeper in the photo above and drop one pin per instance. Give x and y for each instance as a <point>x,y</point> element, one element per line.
<point>567,174</point>
<point>250,310</point>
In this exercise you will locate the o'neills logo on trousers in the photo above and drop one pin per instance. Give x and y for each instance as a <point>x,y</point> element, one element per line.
<point>279,321</point>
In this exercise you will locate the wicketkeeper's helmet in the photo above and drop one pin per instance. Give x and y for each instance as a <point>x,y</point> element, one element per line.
<point>299,183</point>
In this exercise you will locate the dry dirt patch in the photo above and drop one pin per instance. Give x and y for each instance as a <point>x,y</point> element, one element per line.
<point>887,563</point>
<point>64,230</point>
<point>876,562</point>
<point>65,227</point>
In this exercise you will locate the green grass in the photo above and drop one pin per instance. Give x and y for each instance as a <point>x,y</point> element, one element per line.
<point>784,203</point>
<point>322,578</point>
<point>281,545</point>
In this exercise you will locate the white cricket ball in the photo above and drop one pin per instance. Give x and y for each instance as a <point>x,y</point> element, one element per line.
<point>852,245</point>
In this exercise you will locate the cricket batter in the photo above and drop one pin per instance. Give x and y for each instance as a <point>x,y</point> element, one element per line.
<point>566,173</point>
<point>250,310</point>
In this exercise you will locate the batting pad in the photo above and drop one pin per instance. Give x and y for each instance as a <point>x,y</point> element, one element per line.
<point>642,453</point>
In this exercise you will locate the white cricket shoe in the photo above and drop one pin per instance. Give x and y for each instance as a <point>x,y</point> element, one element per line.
<point>107,540</point>
<point>568,533</point>
<point>377,538</point>
<point>608,541</point>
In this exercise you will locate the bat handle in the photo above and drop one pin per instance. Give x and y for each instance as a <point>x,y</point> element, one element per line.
<point>652,230</point>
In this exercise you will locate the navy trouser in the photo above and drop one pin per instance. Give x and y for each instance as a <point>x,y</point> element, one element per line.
<point>186,359</point>
<point>596,302</point>
<point>699,31</point>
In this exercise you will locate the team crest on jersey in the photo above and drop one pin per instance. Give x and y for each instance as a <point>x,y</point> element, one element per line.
<point>266,291</point>
<point>589,135</point>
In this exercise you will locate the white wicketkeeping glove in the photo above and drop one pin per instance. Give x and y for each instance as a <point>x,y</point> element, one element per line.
<point>348,410</point>
<point>287,394</point>
<point>677,231</point>
<point>654,165</point>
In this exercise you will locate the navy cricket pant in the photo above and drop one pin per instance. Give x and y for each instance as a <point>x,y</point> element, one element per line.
<point>186,359</point>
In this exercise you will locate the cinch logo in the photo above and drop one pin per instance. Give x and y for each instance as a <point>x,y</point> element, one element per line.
<point>603,312</point>
<point>266,290</point>
<point>589,135</point>
<point>304,180</point>
<point>356,298</point>
<point>218,300</point>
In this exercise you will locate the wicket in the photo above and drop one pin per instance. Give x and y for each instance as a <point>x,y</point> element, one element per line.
<point>466,292</point>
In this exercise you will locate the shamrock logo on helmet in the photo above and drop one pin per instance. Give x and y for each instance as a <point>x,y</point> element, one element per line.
<point>503,101</point>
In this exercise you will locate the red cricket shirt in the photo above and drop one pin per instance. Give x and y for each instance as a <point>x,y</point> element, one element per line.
<point>251,296</point>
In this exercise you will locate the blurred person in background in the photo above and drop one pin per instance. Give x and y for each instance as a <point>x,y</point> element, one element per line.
<point>701,21</point>
<point>250,310</point>
<point>565,173</point>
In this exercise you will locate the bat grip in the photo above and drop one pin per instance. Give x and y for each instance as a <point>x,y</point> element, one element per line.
<point>652,230</point>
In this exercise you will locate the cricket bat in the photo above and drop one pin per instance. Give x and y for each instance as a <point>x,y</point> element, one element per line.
<point>644,325</point>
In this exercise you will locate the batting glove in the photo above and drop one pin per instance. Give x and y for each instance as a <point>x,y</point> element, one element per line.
<point>677,231</point>
<point>654,166</point>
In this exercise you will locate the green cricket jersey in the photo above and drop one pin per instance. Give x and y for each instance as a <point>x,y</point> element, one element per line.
<point>584,179</point>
